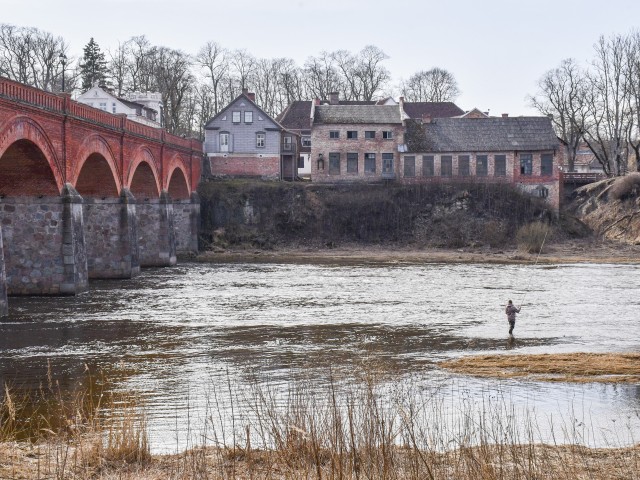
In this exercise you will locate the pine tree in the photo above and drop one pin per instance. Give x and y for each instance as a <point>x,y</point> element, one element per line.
<point>93,66</point>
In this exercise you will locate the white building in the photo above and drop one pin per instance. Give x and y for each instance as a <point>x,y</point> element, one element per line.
<point>143,108</point>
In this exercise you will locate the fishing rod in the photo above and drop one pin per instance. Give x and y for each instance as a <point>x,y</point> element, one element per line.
<point>524,295</point>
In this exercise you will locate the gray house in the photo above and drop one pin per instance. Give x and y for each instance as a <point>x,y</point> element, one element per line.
<point>244,141</point>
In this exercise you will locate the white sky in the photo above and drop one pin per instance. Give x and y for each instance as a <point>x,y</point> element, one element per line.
<point>496,49</point>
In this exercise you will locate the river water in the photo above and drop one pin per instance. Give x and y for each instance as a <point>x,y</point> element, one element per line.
<point>180,337</point>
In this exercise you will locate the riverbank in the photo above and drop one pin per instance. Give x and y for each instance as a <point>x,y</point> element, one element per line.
<point>575,251</point>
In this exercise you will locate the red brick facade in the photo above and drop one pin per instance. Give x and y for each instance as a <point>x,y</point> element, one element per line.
<point>266,167</point>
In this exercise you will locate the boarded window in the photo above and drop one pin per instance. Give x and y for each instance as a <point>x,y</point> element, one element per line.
<point>546,164</point>
<point>482,165</point>
<point>463,165</point>
<point>500,165</point>
<point>334,163</point>
<point>409,166</point>
<point>352,163</point>
<point>369,163</point>
<point>526,164</point>
<point>446,165</point>
<point>427,166</point>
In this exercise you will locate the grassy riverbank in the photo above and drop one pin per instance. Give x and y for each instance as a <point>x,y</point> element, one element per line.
<point>373,428</point>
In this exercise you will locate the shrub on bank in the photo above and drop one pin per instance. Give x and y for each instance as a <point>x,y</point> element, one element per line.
<point>531,237</point>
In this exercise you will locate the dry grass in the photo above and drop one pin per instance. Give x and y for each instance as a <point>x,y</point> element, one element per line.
<point>532,236</point>
<point>569,367</point>
<point>368,429</point>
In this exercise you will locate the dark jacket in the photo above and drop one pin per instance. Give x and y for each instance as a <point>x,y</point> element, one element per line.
<point>511,311</point>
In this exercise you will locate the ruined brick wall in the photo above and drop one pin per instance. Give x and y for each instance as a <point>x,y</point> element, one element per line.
<point>266,167</point>
<point>321,143</point>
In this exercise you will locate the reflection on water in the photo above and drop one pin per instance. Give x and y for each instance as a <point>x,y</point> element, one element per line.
<point>170,333</point>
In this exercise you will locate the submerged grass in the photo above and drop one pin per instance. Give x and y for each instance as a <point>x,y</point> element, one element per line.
<point>369,427</point>
<point>569,367</point>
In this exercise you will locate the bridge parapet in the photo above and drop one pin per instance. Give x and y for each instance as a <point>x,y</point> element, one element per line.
<point>93,114</point>
<point>32,95</point>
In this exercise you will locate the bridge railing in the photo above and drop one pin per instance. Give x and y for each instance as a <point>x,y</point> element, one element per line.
<point>32,95</point>
<point>93,114</point>
<point>56,102</point>
<point>582,177</point>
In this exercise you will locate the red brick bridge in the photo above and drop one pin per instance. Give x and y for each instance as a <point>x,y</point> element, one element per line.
<point>87,194</point>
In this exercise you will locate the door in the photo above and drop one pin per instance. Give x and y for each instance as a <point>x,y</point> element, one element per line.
<point>387,165</point>
<point>224,142</point>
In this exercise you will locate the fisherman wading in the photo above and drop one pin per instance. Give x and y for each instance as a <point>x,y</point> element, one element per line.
<point>511,311</point>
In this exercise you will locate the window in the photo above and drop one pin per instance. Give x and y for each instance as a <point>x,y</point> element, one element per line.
<point>260,140</point>
<point>352,163</point>
<point>546,164</point>
<point>248,117</point>
<point>463,165</point>
<point>286,143</point>
<point>306,141</point>
<point>410,166</point>
<point>482,165</point>
<point>501,165</point>
<point>387,134</point>
<point>235,118</point>
<point>369,134</point>
<point>446,165</point>
<point>301,162</point>
<point>334,134</point>
<point>103,106</point>
<point>352,134</point>
<point>387,164</point>
<point>369,163</point>
<point>113,107</point>
<point>334,163</point>
<point>526,164</point>
<point>427,166</point>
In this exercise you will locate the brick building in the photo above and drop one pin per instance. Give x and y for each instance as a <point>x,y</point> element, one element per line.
<point>520,150</point>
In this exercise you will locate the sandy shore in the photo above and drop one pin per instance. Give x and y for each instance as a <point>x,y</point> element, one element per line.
<point>557,253</point>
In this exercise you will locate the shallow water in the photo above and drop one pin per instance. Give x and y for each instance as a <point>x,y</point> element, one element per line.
<point>175,335</point>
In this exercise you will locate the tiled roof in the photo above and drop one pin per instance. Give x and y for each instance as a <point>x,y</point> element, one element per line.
<point>490,134</point>
<point>432,109</point>
<point>359,114</point>
<point>296,116</point>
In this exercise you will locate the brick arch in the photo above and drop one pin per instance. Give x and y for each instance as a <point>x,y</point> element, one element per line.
<point>177,184</point>
<point>23,137</point>
<point>143,179</point>
<point>97,172</point>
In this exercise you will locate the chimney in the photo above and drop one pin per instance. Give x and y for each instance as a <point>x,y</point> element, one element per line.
<point>505,115</point>
<point>317,101</point>
<point>333,98</point>
<point>251,95</point>
<point>426,118</point>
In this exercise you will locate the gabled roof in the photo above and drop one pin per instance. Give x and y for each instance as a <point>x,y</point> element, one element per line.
<point>432,109</point>
<point>297,116</point>
<point>489,134</point>
<point>475,113</point>
<point>231,103</point>
<point>359,114</point>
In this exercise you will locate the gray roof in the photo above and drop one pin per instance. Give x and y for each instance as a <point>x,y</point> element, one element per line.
<point>359,114</point>
<point>490,134</point>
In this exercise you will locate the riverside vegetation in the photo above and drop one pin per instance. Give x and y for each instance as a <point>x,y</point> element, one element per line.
<point>336,432</point>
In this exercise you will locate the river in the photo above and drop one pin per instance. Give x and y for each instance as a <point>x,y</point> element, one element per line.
<point>178,337</point>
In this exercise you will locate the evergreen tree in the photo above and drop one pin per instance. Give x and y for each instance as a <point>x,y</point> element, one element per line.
<point>93,66</point>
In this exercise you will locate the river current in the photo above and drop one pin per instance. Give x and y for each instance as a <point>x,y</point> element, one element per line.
<point>175,335</point>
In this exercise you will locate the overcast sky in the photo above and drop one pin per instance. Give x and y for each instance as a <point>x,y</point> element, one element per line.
<point>496,49</point>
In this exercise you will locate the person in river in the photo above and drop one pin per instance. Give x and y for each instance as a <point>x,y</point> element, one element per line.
<point>511,311</point>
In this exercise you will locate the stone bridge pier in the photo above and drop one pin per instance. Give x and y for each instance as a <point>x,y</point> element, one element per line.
<point>86,194</point>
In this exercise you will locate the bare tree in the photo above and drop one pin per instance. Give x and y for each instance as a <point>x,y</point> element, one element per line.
<point>370,72</point>
<point>214,61</point>
<point>435,85</point>
<point>174,78</point>
<point>118,59</point>
<point>31,56</point>
<point>609,120</point>
<point>562,93</point>
<point>321,76</point>
<point>244,66</point>
<point>633,66</point>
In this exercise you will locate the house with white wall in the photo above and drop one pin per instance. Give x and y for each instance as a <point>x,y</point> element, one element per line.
<point>143,108</point>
